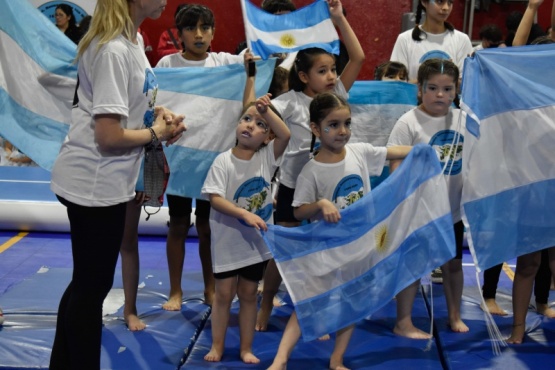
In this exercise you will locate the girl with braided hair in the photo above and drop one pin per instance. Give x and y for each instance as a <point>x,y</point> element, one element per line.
<point>434,38</point>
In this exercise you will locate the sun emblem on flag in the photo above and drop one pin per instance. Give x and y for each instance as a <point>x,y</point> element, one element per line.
<point>287,40</point>
<point>382,239</point>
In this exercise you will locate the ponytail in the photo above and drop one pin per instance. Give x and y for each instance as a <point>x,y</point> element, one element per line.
<point>417,32</point>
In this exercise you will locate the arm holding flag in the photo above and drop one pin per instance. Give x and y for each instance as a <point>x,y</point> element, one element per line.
<point>356,54</point>
<point>523,30</point>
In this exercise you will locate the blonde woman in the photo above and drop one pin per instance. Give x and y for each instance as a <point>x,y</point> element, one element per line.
<point>95,173</point>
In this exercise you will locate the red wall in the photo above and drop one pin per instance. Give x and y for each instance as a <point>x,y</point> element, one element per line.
<point>376,22</point>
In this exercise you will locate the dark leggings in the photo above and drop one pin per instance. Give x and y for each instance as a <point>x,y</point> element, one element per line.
<point>541,285</point>
<point>96,235</point>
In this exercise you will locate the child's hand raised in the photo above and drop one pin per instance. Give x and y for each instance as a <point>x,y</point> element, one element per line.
<point>336,9</point>
<point>262,103</point>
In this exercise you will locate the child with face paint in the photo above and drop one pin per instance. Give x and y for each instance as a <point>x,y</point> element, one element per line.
<point>238,187</point>
<point>313,72</point>
<point>435,38</point>
<point>437,123</point>
<point>319,180</point>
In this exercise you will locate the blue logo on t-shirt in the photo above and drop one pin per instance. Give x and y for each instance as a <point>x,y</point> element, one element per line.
<point>438,54</point>
<point>252,195</point>
<point>442,142</point>
<point>348,190</point>
<point>151,84</point>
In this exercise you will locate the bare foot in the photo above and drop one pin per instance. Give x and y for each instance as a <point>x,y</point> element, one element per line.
<point>337,365</point>
<point>411,332</point>
<point>174,302</point>
<point>277,366</point>
<point>544,309</point>
<point>458,326</point>
<point>249,358</point>
<point>276,302</point>
<point>324,337</point>
<point>134,323</point>
<point>517,335</point>
<point>262,319</point>
<point>493,307</point>
<point>214,355</point>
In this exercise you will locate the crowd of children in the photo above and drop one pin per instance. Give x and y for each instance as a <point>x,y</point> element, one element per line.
<point>307,106</point>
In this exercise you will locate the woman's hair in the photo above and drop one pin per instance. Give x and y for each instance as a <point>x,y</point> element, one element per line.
<point>276,6</point>
<point>303,63</point>
<point>417,33</point>
<point>321,106</point>
<point>111,18</point>
<point>435,66</point>
<point>190,14</point>
<point>391,70</point>
<point>85,24</point>
<point>68,10</point>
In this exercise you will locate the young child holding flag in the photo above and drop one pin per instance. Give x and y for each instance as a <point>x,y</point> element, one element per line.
<point>238,186</point>
<point>436,123</point>
<point>322,191</point>
<point>313,72</point>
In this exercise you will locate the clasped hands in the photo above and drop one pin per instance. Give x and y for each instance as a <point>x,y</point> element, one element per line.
<point>168,126</point>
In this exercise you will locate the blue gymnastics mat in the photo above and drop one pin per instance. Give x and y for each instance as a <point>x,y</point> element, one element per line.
<point>373,344</point>
<point>30,310</point>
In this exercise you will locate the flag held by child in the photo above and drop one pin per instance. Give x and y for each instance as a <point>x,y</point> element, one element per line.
<point>509,176</point>
<point>338,274</point>
<point>307,27</point>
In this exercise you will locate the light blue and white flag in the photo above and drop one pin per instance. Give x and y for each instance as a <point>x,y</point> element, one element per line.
<point>375,108</point>
<point>211,100</point>
<point>306,27</point>
<point>37,81</point>
<point>338,274</point>
<point>508,165</point>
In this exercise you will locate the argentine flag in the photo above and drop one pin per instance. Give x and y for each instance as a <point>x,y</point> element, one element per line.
<point>508,166</point>
<point>307,27</point>
<point>375,108</point>
<point>37,81</point>
<point>338,274</point>
<point>211,100</point>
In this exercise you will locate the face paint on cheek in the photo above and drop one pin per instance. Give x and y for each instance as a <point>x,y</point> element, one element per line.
<point>425,86</point>
<point>327,130</point>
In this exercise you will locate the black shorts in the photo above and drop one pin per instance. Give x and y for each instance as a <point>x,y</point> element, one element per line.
<point>252,272</point>
<point>284,210</point>
<point>459,237</point>
<point>182,207</point>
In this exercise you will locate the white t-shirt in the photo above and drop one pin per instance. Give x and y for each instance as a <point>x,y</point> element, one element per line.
<point>115,79</point>
<point>213,60</point>
<point>246,184</point>
<point>416,127</point>
<point>455,46</point>
<point>293,107</point>
<point>343,183</point>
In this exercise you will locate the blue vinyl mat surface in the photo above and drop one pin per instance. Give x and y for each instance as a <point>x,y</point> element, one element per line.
<point>35,270</point>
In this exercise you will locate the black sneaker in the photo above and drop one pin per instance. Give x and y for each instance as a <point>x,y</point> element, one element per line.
<point>437,276</point>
